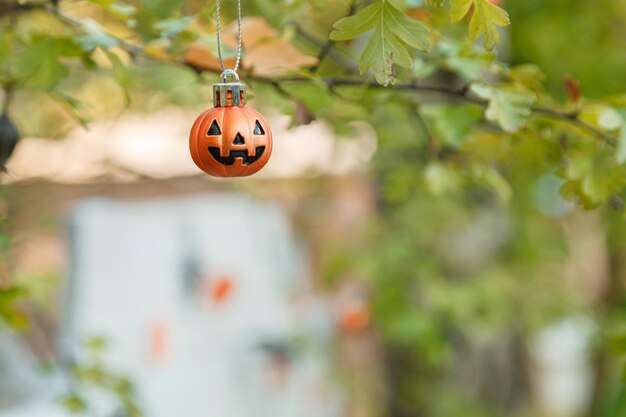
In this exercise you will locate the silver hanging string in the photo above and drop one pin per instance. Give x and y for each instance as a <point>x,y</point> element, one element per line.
<point>219,38</point>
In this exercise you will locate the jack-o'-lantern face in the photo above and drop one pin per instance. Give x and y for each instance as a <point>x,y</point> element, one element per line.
<point>230,141</point>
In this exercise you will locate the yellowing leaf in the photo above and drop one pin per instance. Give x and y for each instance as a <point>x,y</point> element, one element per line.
<point>485,20</point>
<point>459,9</point>
<point>486,17</point>
<point>267,52</point>
<point>254,30</point>
<point>157,50</point>
<point>276,57</point>
<point>199,56</point>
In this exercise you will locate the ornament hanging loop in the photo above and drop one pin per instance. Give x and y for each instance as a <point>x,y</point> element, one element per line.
<point>229,73</point>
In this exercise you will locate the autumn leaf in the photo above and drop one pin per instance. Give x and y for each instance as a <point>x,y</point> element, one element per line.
<point>486,17</point>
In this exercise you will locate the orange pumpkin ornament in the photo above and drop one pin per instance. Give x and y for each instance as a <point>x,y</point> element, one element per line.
<point>230,139</point>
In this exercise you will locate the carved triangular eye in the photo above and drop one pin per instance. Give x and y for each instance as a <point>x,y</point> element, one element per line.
<point>258,130</point>
<point>214,129</point>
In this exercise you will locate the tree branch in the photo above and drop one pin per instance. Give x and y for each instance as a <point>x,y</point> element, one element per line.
<point>8,8</point>
<point>463,94</point>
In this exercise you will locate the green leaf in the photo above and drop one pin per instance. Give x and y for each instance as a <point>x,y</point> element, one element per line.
<point>121,9</point>
<point>102,3</point>
<point>451,123</point>
<point>509,107</point>
<point>95,37</point>
<point>74,106</point>
<point>38,64</point>
<point>494,180</point>
<point>381,53</point>
<point>10,312</point>
<point>485,18</point>
<point>74,403</point>
<point>441,179</point>
<point>96,344</point>
<point>352,26</point>
<point>169,28</point>
<point>386,47</point>
<point>593,176</point>
<point>408,30</point>
<point>617,344</point>
<point>121,73</point>
<point>621,146</point>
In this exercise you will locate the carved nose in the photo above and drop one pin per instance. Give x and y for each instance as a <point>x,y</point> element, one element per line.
<point>239,140</point>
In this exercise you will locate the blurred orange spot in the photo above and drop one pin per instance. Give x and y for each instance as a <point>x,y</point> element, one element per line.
<point>355,315</point>
<point>197,56</point>
<point>572,87</point>
<point>420,14</point>
<point>159,337</point>
<point>218,290</point>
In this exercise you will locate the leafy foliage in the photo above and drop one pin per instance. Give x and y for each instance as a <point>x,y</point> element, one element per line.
<point>478,169</point>
<point>509,107</point>
<point>91,374</point>
<point>385,48</point>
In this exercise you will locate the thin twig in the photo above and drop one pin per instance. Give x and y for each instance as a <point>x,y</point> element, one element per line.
<point>573,118</point>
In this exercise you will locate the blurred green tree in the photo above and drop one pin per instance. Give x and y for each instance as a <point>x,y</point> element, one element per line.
<point>480,166</point>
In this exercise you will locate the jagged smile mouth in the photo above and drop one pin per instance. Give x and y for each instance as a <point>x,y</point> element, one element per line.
<point>243,154</point>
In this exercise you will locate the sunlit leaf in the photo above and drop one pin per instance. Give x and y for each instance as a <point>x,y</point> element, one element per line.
<point>507,106</point>
<point>486,17</point>
<point>353,26</point>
